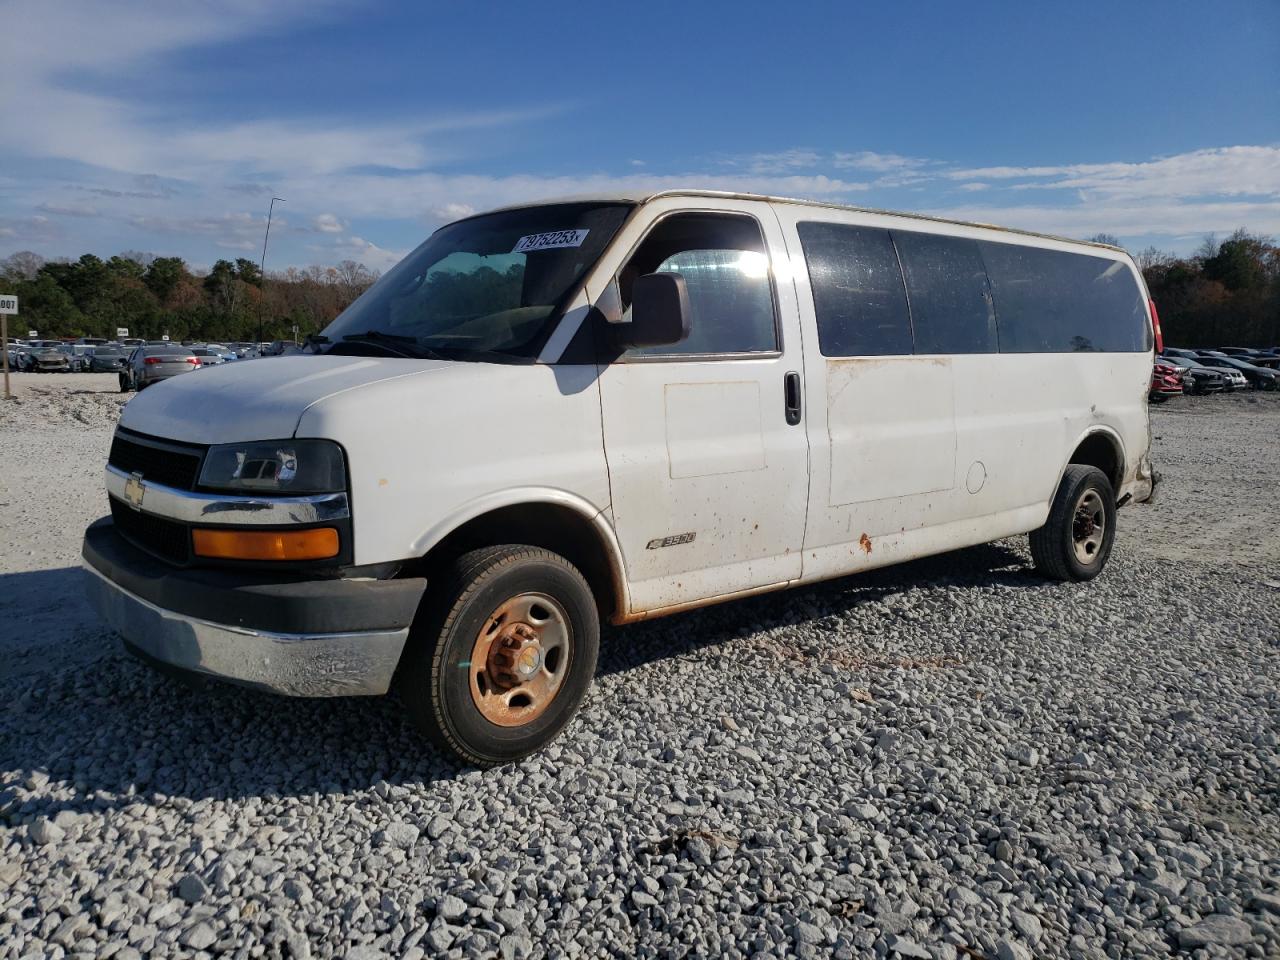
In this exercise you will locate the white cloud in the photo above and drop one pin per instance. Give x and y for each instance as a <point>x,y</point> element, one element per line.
<point>1221,171</point>
<point>452,211</point>
<point>370,254</point>
<point>1176,220</point>
<point>876,162</point>
<point>327,223</point>
<point>68,209</point>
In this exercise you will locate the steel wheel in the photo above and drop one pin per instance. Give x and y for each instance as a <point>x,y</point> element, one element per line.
<point>520,659</point>
<point>1089,526</point>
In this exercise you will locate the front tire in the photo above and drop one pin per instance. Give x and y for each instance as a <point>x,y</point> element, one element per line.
<point>1075,542</point>
<point>502,655</point>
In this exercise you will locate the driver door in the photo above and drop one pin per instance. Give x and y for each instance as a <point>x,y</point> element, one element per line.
<point>708,469</point>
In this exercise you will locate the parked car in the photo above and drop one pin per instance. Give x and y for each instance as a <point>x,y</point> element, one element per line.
<point>225,352</point>
<point>133,342</point>
<point>55,358</point>
<point>1166,382</point>
<point>25,356</point>
<point>151,364</point>
<point>1199,379</point>
<point>91,341</point>
<point>278,523</point>
<point>282,348</point>
<point>82,354</point>
<point>207,357</point>
<point>1259,378</point>
<point>16,346</point>
<point>108,359</point>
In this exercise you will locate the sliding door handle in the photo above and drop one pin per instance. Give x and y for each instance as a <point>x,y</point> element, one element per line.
<point>791,393</point>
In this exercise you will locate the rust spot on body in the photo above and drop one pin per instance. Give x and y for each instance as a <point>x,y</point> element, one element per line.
<point>865,543</point>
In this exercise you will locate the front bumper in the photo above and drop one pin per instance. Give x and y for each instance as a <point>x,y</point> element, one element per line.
<point>311,638</point>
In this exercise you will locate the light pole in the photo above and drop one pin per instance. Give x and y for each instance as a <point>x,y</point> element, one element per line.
<point>262,266</point>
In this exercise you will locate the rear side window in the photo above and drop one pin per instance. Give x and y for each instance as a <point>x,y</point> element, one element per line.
<point>858,295</point>
<point>726,271</point>
<point>1048,301</point>
<point>951,308</point>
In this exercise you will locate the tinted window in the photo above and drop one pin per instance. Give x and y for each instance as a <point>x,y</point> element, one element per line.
<point>857,290</point>
<point>1049,301</point>
<point>726,271</point>
<point>947,289</point>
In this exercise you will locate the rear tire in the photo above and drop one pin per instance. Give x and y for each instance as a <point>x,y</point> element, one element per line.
<point>1075,542</point>
<point>501,655</point>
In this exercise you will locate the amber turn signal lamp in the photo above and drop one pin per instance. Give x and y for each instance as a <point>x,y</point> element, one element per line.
<point>318,544</point>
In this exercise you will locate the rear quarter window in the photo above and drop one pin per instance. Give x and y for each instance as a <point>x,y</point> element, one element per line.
<point>1050,301</point>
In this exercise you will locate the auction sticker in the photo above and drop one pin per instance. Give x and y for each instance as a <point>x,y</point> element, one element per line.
<point>550,241</point>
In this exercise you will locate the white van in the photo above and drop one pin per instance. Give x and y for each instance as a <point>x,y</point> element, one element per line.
<point>617,408</point>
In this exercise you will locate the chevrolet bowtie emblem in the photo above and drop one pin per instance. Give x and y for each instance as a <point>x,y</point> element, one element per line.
<point>134,490</point>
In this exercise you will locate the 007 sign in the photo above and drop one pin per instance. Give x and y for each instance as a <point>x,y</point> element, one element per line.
<point>8,304</point>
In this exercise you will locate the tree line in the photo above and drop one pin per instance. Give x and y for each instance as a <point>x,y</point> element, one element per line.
<point>1225,294</point>
<point>154,296</point>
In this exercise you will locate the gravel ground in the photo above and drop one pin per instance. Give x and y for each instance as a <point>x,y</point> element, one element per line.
<point>946,759</point>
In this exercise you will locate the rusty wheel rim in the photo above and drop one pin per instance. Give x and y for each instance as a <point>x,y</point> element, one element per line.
<point>1088,527</point>
<point>520,659</point>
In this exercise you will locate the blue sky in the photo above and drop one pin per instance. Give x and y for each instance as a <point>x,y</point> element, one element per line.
<point>167,127</point>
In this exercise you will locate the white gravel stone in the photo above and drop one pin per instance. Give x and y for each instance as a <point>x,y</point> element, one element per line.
<point>1218,929</point>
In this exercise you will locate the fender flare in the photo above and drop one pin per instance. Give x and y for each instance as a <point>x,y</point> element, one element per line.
<point>1097,429</point>
<point>595,516</point>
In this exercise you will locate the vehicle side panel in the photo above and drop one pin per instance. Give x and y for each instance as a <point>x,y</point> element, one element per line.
<point>912,455</point>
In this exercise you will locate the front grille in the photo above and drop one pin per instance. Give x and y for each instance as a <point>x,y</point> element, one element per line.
<point>165,464</point>
<point>165,538</point>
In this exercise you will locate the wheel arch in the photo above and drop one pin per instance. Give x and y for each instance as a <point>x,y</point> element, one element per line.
<point>552,519</point>
<point>1101,447</point>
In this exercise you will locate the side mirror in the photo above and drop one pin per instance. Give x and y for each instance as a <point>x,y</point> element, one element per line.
<point>660,313</point>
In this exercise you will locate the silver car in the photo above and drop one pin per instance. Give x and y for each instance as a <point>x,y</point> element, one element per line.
<point>151,364</point>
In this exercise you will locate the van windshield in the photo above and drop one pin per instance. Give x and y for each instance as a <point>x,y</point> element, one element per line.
<point>491,287</point>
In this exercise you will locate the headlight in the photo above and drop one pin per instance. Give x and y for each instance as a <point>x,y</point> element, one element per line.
<point>276,466</point>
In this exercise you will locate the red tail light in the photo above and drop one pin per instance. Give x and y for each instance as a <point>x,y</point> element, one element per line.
<point>1155,326</point>
<point>195,360</point>
<point>150,360</point>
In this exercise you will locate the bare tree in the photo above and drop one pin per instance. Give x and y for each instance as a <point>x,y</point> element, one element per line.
<point>1110,239</point>
<point>1152,257</point>
<point>138,256</point>
<point>1208,248</point>
<point>22,265</point>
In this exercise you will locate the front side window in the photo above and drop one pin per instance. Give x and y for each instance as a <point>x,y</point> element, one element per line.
<point>858,295</point>
<point>726,271</point>
<point>489,287</point>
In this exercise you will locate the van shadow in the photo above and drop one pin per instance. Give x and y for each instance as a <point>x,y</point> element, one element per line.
<point>79,709</point>
<point>630,647</point>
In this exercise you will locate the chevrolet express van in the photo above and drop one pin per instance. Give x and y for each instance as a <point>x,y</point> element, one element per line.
<point>612,409</point>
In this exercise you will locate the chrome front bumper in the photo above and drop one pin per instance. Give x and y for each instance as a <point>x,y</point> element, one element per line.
<point>296,664</point>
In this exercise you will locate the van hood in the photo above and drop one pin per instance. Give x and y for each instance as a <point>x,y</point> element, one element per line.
<point>260,399</point>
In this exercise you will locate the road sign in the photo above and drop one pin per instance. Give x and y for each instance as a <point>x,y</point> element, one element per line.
<point>32,334</point>
<point>122,331</point>
<point>8,307</point>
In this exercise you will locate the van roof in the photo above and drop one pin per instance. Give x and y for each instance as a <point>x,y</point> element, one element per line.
<point>642,196</point>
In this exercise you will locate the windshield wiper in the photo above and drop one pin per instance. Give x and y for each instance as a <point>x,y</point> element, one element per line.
<point>395,343</point>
